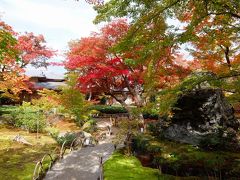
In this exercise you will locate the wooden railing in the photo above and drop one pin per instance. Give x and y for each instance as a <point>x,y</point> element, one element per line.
<point>39,167</point>
<point>101,162</point>
<point>39,170</point>
<point>104,115</point>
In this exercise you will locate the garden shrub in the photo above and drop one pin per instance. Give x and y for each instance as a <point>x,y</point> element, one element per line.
<point>222,140</point>
<point>74,101</point>
<point>106,109</point>
<point>49,99</point>
<point>141,144</point>
<point>156,129</point>
<point>148,115</point>
<point>6,109</point>
<point>153,128</point>
<point>9,119</point>
<point>68,137</point>
<point>54,132</point>
<point>6,100</point>
<point>90,126</point>
<point>28,117</point>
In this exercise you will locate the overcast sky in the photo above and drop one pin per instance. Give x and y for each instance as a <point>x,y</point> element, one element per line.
<point>58,20</point>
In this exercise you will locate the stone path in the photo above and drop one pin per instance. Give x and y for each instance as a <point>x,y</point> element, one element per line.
<point>82,164</point>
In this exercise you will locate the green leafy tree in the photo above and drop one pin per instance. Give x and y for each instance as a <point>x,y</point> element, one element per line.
<point>74,101</point>
<point>48,100</point>
<point>7,45</point>
<point>211,28</point>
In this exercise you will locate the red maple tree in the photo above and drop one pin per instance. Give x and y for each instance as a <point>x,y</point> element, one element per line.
<point>103,70</point>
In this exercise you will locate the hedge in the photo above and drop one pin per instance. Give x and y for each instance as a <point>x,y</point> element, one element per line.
<point>106,109</point>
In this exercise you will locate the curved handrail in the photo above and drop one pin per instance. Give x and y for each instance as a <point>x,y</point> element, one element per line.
<point>39,165</point>
<point>71,146</point>
<point>61,151</point>
<point>49,155</point>
<point>34,173</point>
<point>40,169</point>
<point>57,148</point>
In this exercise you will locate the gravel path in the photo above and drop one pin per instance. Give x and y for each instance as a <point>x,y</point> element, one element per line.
<point>83,164</point>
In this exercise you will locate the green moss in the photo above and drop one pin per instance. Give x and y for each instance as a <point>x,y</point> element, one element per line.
<point>17,160</point>
<point>20,163</point>
<point>120,167</point>
<point>180,157</point>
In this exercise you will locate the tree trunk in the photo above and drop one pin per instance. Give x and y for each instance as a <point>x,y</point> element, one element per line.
<point>90,96</point>
<point>139,103</point>
<point>226,52</point>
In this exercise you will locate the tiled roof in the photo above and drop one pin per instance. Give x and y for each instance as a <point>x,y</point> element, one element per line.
<point>49,85</point>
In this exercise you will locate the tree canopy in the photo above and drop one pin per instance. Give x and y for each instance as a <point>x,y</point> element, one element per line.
<point>101,70</point>
<point>209,30</point>
<point>16,51</point>
<point>212,22</point>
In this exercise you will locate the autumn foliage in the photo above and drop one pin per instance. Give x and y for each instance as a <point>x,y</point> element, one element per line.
<point>102,70</point>
<point>16,51</point>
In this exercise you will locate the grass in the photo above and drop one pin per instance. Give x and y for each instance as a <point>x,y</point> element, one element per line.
<point>121,167</point>
<point>184,153</point>
<point>19,163</point>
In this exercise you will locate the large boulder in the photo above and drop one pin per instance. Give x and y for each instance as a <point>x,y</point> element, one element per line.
<point>204,117</point>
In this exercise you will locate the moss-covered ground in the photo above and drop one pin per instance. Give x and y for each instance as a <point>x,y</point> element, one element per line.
<point>124,167</point>
<point>17,160</point>
<point>121,167</point>
<point>186,160</point>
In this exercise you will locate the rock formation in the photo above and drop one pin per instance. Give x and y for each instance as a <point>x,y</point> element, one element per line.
<point>203,116</point>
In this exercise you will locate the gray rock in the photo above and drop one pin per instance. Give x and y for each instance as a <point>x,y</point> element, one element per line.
<point>62,134</point>
<point>21,139</point>
<point>86,138</point>
<point>202,113</point>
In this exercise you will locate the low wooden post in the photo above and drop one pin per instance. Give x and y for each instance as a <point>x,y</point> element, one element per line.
<point>38,123</point>
<point>101,168</point>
